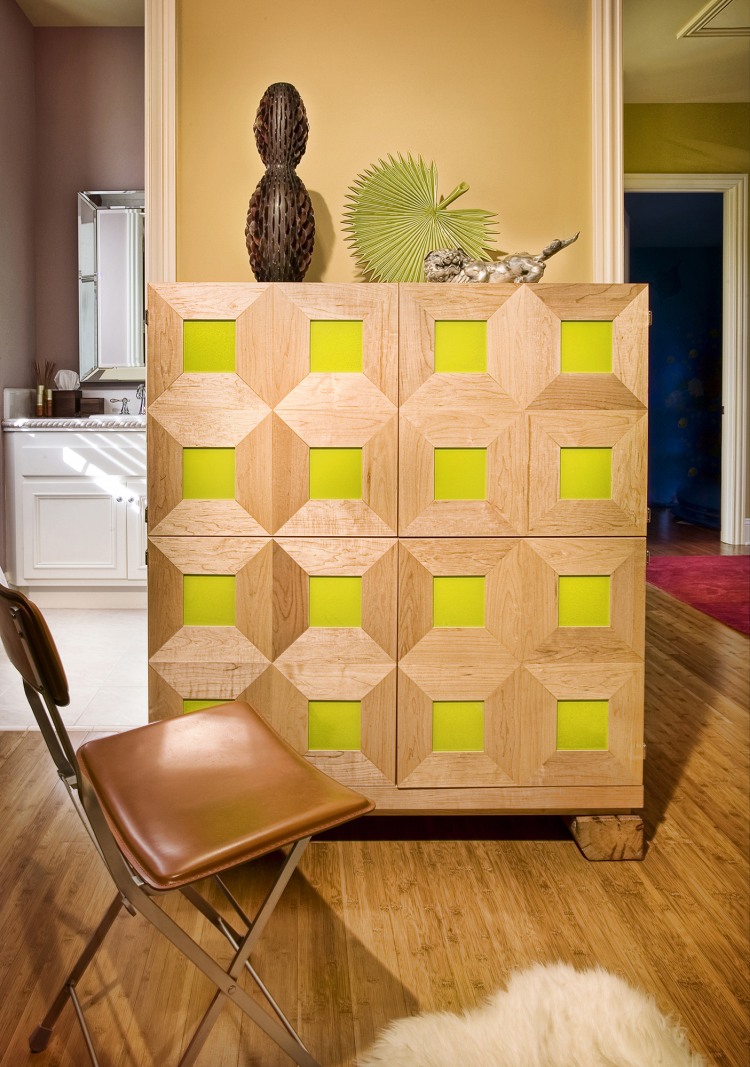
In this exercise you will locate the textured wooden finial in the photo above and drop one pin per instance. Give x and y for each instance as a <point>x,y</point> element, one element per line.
<point>280,230</point>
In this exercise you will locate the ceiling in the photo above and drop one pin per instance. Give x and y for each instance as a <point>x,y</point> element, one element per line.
<point>83,12</point>
<point>659,67</point>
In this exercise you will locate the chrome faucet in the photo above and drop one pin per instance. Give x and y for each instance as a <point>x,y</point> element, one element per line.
<point>140,394</point>
<point>124,401</point>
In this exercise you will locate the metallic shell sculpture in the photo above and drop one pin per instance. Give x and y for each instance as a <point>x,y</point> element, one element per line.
<point>454,265</point>
<point>280,230</point>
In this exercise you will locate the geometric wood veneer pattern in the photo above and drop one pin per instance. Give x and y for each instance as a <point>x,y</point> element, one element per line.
<point>410,518</point>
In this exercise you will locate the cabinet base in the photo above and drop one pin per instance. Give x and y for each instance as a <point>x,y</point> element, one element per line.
<point>608,837</point>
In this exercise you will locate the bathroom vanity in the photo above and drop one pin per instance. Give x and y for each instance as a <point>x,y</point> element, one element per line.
<point>76,509</point>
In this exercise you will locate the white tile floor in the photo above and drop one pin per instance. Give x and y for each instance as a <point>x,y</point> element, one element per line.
<point>105,658</point>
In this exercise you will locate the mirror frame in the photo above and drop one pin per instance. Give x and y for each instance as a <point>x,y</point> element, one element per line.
<point>89,288</point>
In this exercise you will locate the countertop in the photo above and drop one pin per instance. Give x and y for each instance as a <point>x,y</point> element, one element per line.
<point>92,422</point>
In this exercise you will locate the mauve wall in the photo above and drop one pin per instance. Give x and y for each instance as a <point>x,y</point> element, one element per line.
<point>16,207</point>
<point>16,195</point>
<point>89,135</point>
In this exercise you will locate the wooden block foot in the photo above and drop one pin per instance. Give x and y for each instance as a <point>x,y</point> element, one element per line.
<point>608,837</point>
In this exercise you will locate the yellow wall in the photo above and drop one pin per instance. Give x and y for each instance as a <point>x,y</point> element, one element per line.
<point>687,138</point>
<point>497,93</point>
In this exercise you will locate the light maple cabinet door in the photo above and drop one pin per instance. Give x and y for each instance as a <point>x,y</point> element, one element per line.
<point>74,528</point>
<point>273,410</point>
<point>520,662</point>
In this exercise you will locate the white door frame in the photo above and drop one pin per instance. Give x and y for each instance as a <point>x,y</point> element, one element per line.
<point>161,138</point>
<point>735,529</point>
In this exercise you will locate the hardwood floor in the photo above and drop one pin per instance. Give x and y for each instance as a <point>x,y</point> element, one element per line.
<point>668,536</point>
<point>398,916</point>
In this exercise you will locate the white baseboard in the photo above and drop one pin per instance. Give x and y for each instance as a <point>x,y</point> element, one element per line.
<point>746,533</point>
<point>101,599</point>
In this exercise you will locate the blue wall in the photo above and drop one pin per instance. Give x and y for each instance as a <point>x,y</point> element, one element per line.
<point>685,344</point>
<point>685,368</point>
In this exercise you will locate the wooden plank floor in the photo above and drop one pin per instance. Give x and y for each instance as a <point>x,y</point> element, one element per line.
<point>403,915</point>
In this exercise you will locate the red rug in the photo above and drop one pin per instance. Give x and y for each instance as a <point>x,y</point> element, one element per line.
<point>716,585</point>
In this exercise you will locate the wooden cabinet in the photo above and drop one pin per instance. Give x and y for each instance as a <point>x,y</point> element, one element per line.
<point>407,522</point>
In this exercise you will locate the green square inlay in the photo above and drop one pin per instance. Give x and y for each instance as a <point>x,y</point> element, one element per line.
<point>461,347</point>
<point>335,346</point>
<point>582,725</point>
<point>458,726</point>
<point>334,725</point>
<point>585,473</point>
<point>460,474</point>
<point>583,600</point>
<point>335,601</point>
<point>208,347</point>
<point>208,599</point>
<point>208,473</point>
<point>335,473</point>
<point>200,705</point>
<point>586,348</point>
<point>458,601</point>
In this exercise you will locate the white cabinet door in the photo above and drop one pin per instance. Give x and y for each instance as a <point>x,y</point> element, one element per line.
<point>135,500</point>
<point>73,527</point>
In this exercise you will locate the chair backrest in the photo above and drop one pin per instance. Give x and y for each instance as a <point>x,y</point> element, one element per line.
<point>32,651</point>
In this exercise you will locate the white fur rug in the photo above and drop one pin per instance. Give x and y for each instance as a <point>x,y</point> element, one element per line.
<point>549,1016</point>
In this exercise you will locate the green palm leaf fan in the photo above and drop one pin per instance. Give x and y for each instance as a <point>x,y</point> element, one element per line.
<point>395,217</point>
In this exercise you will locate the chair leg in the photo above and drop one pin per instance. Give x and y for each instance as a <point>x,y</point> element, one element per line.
<point>226,984</point>
<point>39,1038</point>
<point>241,960</point>
<point>223,980</point>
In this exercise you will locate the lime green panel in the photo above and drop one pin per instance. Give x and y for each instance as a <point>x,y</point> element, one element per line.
<point>461,347</point>
<point>585,473</point>
<point>335,473</point>
<point>583,600</point>
<point>208,473</point>
<point>586,348</point>
<point>199,705</point>
<point>208,347</point>
<point>460,474</point>
<point>582,725</point>
<point>208,600</point>
<point>335,346</point>
<point>334,724</point>
<point>458,726</point>
<point>458,601</point>
<point>335,601</point>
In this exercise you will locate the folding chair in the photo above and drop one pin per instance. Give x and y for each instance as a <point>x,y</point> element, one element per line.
<point>172,803</point>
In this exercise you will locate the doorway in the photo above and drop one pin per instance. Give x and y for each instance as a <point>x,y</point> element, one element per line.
<point>674,243</point>
<point>735,467</point>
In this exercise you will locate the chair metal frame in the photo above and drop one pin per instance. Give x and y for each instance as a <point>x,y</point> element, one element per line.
<point>137,897</point>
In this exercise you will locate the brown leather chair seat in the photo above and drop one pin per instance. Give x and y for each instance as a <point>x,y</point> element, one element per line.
<point>183,803</point>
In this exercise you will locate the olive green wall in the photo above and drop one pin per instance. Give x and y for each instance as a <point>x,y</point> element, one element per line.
<point>687,138</point>
<point>497,94</point>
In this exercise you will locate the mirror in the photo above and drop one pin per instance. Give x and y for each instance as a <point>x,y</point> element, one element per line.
<point>110,286</point>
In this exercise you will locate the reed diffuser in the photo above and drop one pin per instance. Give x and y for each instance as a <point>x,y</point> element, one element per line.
<point>43,376</point>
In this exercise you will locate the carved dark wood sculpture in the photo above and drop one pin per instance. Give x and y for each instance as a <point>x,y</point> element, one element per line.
<point>280,230</point>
